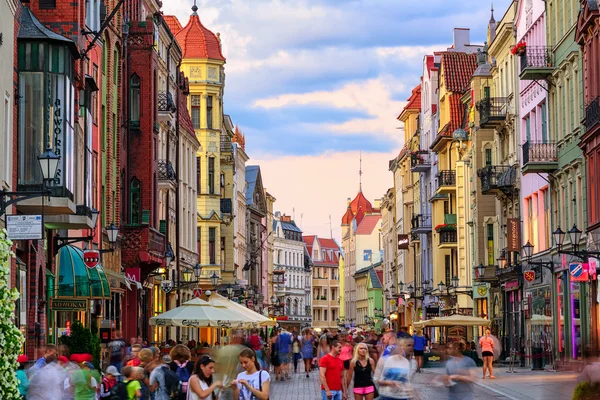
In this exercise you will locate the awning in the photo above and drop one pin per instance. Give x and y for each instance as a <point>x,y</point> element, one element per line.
<point>256,319</point>
<point>74,279</point>
<point>115,279</point>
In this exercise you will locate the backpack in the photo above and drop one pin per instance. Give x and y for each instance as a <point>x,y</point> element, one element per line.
<point>183,372</point>
<point>119,391</point>
<point>173,384</point>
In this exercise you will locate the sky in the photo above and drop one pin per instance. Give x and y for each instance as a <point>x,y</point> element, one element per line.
<point>313,84</point>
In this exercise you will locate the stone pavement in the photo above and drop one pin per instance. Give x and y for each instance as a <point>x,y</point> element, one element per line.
<point>526,384</point>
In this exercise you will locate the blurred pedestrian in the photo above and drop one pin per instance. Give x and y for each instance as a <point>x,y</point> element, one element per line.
<point>47,383</point>
<point>487,351</point>
<point>84,382</point>
<point>110,379</point>
<point>420,342</point>
<point>227,362</point>
<point>296,351</point>
<point>459,373</point>
<point>22,377</point>
<point>117,348</point>
<point>591,372</point>
<point>307,343</point>
<point>50,355</point>
<point>181,364</point>
<point>284,349</point>
<point>394,372</point>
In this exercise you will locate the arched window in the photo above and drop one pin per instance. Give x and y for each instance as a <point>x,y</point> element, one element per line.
<point>295,309</point>
<point>116,67</point>
<point>288,307</point>
<point>134,100</point>
<point>134,202</point>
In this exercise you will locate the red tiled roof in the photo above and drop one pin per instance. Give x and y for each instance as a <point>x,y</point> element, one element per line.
<point>369,222</point>
<point>360,214</point>
<point>414,101</point>
<point>347,218</point>
<point>173,24</point>
<point>361,201</point>
<point>197,41</point>
<point>430,64</point>
<point>328,244</point>
<point>458,68</point>
<point>379,275</point>
<point>456,115</point>
<point>309,239</point>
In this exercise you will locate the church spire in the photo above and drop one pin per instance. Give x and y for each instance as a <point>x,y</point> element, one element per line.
<point>194,8</point>
<point>360,174</point>
<point>492,26</point>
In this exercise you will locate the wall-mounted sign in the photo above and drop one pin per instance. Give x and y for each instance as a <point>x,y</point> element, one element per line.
<point>482,290</point>
<point>91,258</point>
<point>68,304</point>
<point>198,292</point>
<point>403,242</point>
<point>514,234</point>
<point>367,255</point>
<point>529,276</point>
<point>24,227</point>
<point>578,272</point>
<point>511,285</point>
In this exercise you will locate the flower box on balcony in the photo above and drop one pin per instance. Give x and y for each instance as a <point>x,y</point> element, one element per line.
<point>445,227</point>
<point>519,48</point>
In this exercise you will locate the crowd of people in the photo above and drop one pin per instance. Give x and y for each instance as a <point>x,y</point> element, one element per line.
<point>350,365</point>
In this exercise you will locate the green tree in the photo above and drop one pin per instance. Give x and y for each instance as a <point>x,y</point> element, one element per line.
<point>11,338</point>
<point>82,341</point>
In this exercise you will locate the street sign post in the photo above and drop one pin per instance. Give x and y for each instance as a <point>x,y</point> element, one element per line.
<point>24,227</point>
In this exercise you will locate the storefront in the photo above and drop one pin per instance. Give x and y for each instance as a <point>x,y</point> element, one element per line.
<point>511,331</point>
<point>538,314</point>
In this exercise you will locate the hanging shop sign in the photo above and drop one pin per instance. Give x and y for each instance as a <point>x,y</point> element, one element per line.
<point>511,285</point>
<point>91,258</point>
<point>198,292</point>
<point>593,264</point>
<point>578,272</point>
<point>403,242</point>
<point>514,234</point>
<point>529,276</point>
<point>68,304</point>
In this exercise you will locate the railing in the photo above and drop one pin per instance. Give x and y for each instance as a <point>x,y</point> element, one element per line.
<point>592,114</point>
<point>492,108</point>
<point>490,176</point>
<point>166,172</point>
<point>165,102</point>
<point>537,57</point>
<point>225,143</point>
<point>143,238</point>
<point>420,159</point>
<point>539,152</point>
<point>446,178</point>
<point>226,206</point>
<point>420,221</point>
<point>448,237</point>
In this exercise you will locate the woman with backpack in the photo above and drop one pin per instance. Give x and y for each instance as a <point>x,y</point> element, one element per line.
<point>253,383</point>
<point>181,364</point>
<point>201,385</point>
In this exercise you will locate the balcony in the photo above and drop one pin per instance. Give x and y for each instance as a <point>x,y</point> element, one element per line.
<point>225,145</point>
<point>142,243</point>
<point>166,172</point>
<point>508,273</point>
<point>489,274</point>
<point>448,238</point>
<point>166,107</point>
<point>537,62</point>
<point>450,219</point>
<point>320,303</point>
<point>61,201</point>
<point>420,161</point>
<point>492,111</point>
<point>446,181</point>
<point>539,157</point>
<point>420,223</point>
<point>81,219</point>
<point>592,114</point>
<point>226,206</point>
<point>497,178</point>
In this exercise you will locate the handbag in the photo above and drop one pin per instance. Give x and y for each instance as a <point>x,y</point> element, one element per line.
<point>260,382</point>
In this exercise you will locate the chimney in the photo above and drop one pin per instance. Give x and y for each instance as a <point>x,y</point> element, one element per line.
<point>349,201</point>
<point>462,39</point>
<point>286,218</point>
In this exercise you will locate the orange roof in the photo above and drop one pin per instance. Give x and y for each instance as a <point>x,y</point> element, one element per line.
<point>369,222</point>
<point>458,68</point>
<point>414,101</point>
<point>456,116</point>
<point>309,240</point>
<point>329,244</point>
<point>197,41</point>
<point>173,24</point>
<point>347,218</point>
<point>238,137</point>
<point>360,201</point>
<point>360,214</point>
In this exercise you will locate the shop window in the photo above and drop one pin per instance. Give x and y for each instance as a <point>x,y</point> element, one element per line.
<point>134,100</point>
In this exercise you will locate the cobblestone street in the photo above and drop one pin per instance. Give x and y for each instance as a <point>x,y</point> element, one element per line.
<point>302,388</point>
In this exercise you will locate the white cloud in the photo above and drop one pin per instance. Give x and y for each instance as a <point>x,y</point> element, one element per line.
<point>317,186</point>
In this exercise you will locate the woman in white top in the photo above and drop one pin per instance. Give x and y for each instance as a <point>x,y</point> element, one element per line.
<point>252,383</point>
<point>201,383</point>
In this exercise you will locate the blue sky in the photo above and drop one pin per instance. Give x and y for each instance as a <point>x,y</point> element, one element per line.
<point>310,82</point>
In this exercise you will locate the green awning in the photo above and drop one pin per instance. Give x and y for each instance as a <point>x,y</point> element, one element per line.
<point>77,280</point>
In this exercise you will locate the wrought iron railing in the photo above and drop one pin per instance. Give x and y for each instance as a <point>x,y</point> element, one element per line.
<point>539,152</point>
<point>420,221</point>
<point>165,102</point>
<point>537,57</point>
<point>592,114</point>
<point>448,237</point>
<point>492,108</point>
<point>166,172</point>
<point>490,176</point>
<point>446,178</point>
<point>225,143</point>
<point>420,158</point>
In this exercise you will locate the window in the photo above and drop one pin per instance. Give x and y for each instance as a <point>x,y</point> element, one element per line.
<point>544,123</point>
<point>486,92</point>
<point>198,175</point>
<point>134,202</point>
<point>115,67</point>
<point>209,112</point>
<point>211,175</point>
<point>222,252</point>
<point>490,244</point>
<point>198,242</point>
<point>324,315</point>
<point>95,96</point>
<point>6,146</point>
<point>528,128</point>
<point>134,107</point>
<point>196,111</point>
<point>92,14</point>
<point>488,157</point>
<point>212,233</point>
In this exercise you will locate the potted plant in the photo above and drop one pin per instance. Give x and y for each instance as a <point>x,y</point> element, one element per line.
<point>445,227</point>
<point>519,48</point>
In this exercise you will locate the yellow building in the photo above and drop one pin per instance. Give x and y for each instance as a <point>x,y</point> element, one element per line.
<point>341,266</point>
<point>450,198</point>
<point>203,62</point>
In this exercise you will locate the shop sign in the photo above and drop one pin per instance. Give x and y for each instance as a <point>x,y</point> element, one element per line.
<point>24,227</point>
<point>578,272</point>
<point>432,312</point>
<point>402,242</point>
<point>282,318</point>
<point>514,234</point>
<point>91,258</point>
<point>482,290</point>
<point>68,304</point>
<point>133,274</point>
<point>511,285</point>
<point>198,292</point>
<point>593,267</point>
<point>529,276</point>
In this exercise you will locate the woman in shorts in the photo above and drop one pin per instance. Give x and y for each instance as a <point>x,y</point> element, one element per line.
<point>487,352</point>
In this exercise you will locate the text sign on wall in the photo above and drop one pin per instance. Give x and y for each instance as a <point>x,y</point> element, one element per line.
<point>514,234</point>
<point>68,304</point>
<point>402,242</point>
<point>24,227</point>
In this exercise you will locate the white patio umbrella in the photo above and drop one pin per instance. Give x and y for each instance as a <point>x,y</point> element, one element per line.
<point>254,319</point>
<point>198,313</point>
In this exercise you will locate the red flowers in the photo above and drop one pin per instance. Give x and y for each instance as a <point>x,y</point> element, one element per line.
<point>519,48</point>
<point>445,227</point>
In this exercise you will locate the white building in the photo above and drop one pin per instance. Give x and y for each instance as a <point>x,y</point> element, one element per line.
<point>289,257</point>
<point>239,203</point>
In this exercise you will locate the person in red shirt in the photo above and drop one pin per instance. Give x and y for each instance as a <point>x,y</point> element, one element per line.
<point>331,369</point>
<point>487,352</point>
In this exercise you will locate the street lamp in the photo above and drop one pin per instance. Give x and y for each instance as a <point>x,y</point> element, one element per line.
<point>49,163</point>
<point>187,275</point>
<point>480,270</point>
<point>559,236</point>
<point>197,271</point>
<point>169,255</point>
<point>229,291</point>
<point>455,281</point>
<point>112,232</point>
<point>502,259</point>
<point>250,291</point>
<point>574,235</point>
<point>401,286</point>
<point>411,289</point>
<point>387,293</point>
<point>214,279</point>
<point>528,249</point>
<point>441,286</point>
